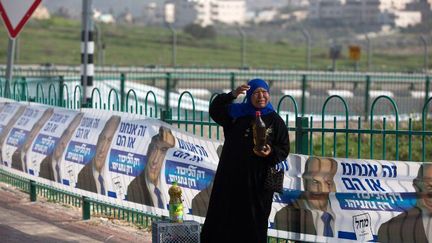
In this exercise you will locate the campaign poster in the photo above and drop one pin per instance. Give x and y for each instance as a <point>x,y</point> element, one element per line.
<point>53,137</point>
<point>22,134</point>
<point>349,199</point>
<point>8,116</point>
<point>127,156</point>
<point>147,156</point>
<point>84,159</point>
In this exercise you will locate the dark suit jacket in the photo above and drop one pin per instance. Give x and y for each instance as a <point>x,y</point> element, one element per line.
<point>85,178</point>
<point>201,201</point>
<point>46,170</point>
<point>295,218</point>
<point>17,162</point>
<point>138,192</point>
<point>406,227</point>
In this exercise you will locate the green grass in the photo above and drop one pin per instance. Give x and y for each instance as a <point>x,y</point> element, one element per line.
<point>57,41</point>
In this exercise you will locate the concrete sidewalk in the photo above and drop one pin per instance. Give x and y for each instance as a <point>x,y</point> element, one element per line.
<point>42,221</point>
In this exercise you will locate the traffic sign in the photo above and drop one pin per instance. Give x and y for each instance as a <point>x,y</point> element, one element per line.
<point>354,52</point>
<point>15,14</point>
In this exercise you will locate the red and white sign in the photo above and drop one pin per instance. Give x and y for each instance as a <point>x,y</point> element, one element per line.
<point>16,13</point>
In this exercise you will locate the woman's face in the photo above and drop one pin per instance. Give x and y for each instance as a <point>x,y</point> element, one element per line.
<point>260,98</point>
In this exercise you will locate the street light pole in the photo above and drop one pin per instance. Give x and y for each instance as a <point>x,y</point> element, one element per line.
<point>87,50</point>
<point>426,52</point>
<point>9,68</point>
<point>369,53</point>
<point>308,47</point>
<point>174,45</point>
<point>242,50</point>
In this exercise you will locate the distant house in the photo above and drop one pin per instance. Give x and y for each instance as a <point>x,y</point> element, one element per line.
<point>369,12</point>
<point>208,12</point>
<point>125,17</point>
<point>103,18</point>
<point>41,12</point>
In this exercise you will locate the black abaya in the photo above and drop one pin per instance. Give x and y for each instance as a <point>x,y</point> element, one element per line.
<point>239,205</point>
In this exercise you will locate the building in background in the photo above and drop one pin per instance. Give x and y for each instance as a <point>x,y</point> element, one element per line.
<point>208,12</point>
<point>364,12</point>
<point>41,12</point>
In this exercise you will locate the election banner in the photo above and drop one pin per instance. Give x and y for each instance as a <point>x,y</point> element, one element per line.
<point>350,199</point>
<point>84,157</point>
<point>53,136</point>
<point>8,116</point>
<point>132,160</point>
<point>21,135</point>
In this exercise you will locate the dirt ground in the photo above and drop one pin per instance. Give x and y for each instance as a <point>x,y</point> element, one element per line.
<point>42,221</point>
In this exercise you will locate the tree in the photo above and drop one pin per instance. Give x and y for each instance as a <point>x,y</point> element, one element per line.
<point>200,32</point>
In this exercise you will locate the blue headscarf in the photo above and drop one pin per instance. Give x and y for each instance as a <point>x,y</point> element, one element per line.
<point>237,110</point>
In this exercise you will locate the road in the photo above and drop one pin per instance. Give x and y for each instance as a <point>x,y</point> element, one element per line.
<point>42,221</point>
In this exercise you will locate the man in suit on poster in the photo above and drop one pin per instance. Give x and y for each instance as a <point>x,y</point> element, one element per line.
<point>19,158</point>
<point>50,167</point>
<point>146,187</point>
<point>415,224</point>
<point>312,213</point>
<point>6,129</point>
<point>201,200</point>
<point>92,177</point>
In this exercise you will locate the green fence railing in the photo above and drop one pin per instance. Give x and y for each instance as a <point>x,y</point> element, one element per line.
<point>89,206</point>
<point>340,127</point>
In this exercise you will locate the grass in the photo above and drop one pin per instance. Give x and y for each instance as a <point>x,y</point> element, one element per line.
<point>57,41</point>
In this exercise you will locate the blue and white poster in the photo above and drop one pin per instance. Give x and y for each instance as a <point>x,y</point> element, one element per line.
<point>53,137</point>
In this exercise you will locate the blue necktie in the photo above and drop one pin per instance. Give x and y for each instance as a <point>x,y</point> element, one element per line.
<point>159,198</point>
<point>101,181</point>
<point>57,167</point>
<point>327,218</point>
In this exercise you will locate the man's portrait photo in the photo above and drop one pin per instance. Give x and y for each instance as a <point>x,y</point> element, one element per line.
<point>201,201</point>
<point>147,188</point>
<point>50,167</point>
<point>415,224</point>
<point>6,129</point>
<point>19,158</point>
<point>92,175</point>
<point>312,212</point>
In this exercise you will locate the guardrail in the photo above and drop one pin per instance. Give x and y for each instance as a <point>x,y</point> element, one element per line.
<point>89,206</point>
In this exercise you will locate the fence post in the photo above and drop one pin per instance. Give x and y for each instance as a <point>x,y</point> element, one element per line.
<point>61,94</point>
<point>427,88</point>
<point>122,91</point>
<point>33,195</point>
<point>366,108</point>
<point>303,98</point>
<point>301,135</point>
<point>85,208</point>
<point>23,87</point>
<point>167,91</point>
<point>232,81</point>
<point>166,116</point>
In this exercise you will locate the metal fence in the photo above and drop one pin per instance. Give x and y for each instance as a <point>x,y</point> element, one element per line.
<point>376,126</point>
<point>129,88</point>
<point>380,116</point>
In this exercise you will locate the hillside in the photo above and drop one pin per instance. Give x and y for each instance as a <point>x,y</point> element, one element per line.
<point>57,41</point>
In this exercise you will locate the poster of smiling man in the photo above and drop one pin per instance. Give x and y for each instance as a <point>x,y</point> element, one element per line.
<point>83,163</point>
<point>22,134</point>
<point>45,152</point>
<point>8,116</point>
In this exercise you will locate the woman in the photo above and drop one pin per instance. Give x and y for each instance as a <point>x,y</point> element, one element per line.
<point>239,204</point>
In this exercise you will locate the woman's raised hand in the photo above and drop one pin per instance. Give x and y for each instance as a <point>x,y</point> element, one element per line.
<point>240,90</point>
